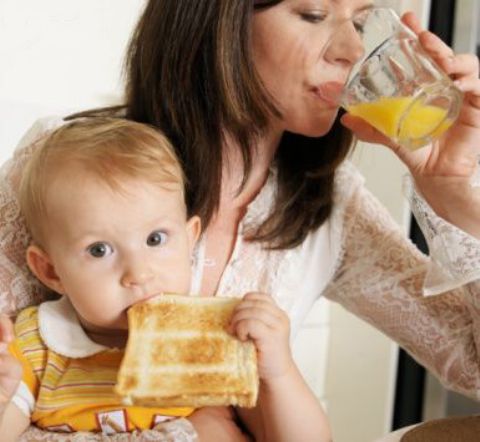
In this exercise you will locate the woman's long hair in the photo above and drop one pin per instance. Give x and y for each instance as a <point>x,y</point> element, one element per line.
<point>190,73</point>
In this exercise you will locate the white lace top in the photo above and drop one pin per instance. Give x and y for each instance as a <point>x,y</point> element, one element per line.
<point>359,258</point>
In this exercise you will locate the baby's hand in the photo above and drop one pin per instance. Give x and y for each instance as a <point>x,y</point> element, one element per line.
<point>10,369</point>
<point>258,318</point>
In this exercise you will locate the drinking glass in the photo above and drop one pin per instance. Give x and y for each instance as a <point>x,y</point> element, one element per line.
<point>396,86</point>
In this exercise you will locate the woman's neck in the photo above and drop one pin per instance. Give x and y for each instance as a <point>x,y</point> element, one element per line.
<point>233,172</point>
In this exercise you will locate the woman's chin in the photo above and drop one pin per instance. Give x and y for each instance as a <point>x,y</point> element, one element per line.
<point>316,128</point>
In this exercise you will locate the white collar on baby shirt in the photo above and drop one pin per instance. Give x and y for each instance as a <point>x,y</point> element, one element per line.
<point>62,332</point>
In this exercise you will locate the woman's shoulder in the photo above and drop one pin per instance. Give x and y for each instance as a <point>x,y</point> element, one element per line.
<point>347,179</point>
<point>39,129</point>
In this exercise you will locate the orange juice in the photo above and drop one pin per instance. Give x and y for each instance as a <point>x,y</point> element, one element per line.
<point>420,121</point>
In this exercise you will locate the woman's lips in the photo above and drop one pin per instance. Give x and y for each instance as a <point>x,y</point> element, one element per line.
<point>330,92</point>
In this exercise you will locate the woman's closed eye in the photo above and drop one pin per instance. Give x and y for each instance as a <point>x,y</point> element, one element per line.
<point>157,238</point>
<point>359,27</point>
<point>100,249</point>
<point>313,17</point>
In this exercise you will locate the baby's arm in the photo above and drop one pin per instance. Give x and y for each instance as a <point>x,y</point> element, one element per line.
<point>287,410</point>
<point>217,423</point>
<point>12,421</point>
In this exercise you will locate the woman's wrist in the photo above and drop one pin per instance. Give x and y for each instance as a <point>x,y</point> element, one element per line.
<point>453,199</point>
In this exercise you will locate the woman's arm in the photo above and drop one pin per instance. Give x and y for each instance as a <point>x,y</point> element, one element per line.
<point>444,170</point>
<point>381,278</point>
<point>18,287</point>
<point>454,254</point>
<point>282,388</point>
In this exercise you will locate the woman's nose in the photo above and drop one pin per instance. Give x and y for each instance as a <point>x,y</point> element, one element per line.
<point>345,46</point>
<point>136,275</point>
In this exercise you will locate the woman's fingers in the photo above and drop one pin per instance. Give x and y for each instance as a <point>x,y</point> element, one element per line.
<point>462,65</point>
<point>430,42</point>
<point>411,20</point>
<point>364,131</point>
<point>435,46</point>
<point>471,87</point>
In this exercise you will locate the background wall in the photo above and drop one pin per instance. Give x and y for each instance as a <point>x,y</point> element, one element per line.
<point>60,56</point>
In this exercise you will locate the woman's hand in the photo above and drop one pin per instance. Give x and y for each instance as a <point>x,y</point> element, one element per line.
<point>456,153</point>
<point>443,170</point>
<point>10,369</point>
<point>258,318</point>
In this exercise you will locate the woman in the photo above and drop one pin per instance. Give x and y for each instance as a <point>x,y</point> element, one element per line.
<point>235,87</point>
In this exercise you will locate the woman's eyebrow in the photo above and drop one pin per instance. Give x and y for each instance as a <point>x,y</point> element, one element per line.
<point>360,8</point>
<point>365,8</point>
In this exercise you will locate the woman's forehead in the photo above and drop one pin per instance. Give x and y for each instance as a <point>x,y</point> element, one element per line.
<point>352,5</point>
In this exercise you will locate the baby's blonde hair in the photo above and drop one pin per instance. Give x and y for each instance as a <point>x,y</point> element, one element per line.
<point>109,148</point>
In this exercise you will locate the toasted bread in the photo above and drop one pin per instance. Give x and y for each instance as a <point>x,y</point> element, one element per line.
<point>179,354</point>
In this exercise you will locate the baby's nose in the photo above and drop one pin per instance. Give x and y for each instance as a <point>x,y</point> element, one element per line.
<point>137,275</point>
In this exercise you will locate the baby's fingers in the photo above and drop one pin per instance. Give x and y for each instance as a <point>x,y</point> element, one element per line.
<point>261,306</point>
<point>6,332</point>
<point>9,367</point>
<point>249,328</point>
<point>10,376</point>
<point>255,314</point>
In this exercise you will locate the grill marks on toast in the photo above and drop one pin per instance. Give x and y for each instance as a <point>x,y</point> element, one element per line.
<point>179,354</point>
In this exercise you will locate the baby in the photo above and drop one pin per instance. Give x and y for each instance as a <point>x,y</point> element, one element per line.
<point>104,202</point>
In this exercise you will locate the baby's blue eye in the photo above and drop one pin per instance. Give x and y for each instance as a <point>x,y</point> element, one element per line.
<point>100,249</point>
<point>157,238</point>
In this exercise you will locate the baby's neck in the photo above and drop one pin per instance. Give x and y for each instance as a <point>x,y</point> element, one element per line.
<point>113,338</point>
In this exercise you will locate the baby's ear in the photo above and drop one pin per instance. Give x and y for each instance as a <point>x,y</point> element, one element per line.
<point>194,227</point>
<point>42,267</point>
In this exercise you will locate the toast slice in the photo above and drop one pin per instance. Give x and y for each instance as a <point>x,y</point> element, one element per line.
<point>179,354</point>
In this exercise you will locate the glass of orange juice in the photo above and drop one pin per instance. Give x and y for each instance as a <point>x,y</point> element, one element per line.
<point>396,86</point>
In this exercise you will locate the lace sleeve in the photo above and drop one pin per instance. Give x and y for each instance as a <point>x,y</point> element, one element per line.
<point>18,287</point>
<point>454,254</point>
<point>380,279</point>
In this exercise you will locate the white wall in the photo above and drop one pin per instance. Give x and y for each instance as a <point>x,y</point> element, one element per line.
<point>58,56</point>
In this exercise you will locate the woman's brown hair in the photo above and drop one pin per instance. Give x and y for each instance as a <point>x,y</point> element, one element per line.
<point>190,73</point>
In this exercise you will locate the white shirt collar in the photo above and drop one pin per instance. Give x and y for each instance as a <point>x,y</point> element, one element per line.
<point>62,332</point>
